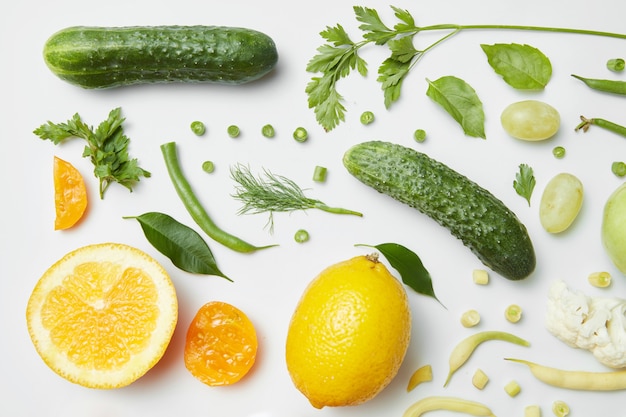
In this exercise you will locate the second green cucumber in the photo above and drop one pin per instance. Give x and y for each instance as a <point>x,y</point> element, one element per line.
<point>471,213</point>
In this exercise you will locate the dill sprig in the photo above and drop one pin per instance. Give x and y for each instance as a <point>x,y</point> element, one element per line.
<point>270,193</point>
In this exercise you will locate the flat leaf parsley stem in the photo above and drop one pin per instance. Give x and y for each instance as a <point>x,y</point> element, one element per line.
<point>340,55</point>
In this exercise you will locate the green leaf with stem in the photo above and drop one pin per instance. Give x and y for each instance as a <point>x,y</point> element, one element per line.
<point>180,243</point>
<point>409,266</point>
<point>523,67</point>
<point>460,100</point>
<point>322,90</point>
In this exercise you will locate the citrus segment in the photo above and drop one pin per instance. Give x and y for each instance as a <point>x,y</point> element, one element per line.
<point>221,344</point>
<point>349,333</point>
<point>70,194</point>
<point>102,315</point>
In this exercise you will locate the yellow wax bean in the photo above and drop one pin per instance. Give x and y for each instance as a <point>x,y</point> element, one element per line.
<point>462,352</point>
<point>423,374</point>
<point>577,380</point>
<point>448,403</point>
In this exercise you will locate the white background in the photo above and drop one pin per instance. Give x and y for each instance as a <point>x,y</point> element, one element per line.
<point>268,284</point>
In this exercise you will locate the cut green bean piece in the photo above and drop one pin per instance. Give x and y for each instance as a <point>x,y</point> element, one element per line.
<point>601,279</point>
<point>367,117</point>
<point>319,174</point>
<point>419,135</point>
<point>560,408</point>
<point>618,168</point>
<point>268,131</point>
<point>512,388</point>
<point>208,166</point>
<point>301,236</point>
<point>233,131</point>
<point>513,313</point>
<point>300,134</point>
<point>616,64</point>
<point>558,152</point>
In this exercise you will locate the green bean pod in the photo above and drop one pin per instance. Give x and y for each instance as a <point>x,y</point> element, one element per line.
<point>576,380</point>
<point>437,402</point>
<point>607,86</point>
<point>195,209</point>
<point>603,123</point>
<point>464,349</point>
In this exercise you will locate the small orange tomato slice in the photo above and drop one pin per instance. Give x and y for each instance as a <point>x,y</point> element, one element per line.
<point>221,344</point>
<point>70,194</point>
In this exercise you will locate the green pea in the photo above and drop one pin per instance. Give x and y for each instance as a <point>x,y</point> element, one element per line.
<point>419,135</point>
<point>558,152</point>
<point>268,131</point>
<point>233,131</point>
<point>300,134</point>
<point>301,236</point>
<point>198,128</point>
<point>208,166</point>
<point>367,117</point>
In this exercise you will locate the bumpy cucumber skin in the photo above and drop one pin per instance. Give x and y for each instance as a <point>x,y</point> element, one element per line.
<point>105,57</point>
<point>471,213</point>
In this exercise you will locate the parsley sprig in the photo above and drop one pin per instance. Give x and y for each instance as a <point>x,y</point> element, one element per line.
<point>107,148</point>
<point>525,182</point>
<point>339,56</point>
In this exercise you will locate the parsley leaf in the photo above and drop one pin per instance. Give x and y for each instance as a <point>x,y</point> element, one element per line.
<point>524,182</point>
<point>375,30</point>
<point>107,148</point>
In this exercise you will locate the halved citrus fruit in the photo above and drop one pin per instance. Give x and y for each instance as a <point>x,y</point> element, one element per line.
<point>70,194</point>
<point>221,344</point>
<point>102,315</point>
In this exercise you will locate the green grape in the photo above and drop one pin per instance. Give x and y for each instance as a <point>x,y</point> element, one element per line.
<point>560,203</point>
<point>530,120</point>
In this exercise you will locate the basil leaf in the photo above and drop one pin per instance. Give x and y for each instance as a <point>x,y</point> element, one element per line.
<point>460,100</point>
<point>409,266</point>
<point>523,67</point>
<point>181,244</point>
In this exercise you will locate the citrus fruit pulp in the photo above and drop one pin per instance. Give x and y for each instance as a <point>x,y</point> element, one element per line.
<point>349,333</point>
<point>221,344</point>
<point>102,315</point>
<point>70,194</point>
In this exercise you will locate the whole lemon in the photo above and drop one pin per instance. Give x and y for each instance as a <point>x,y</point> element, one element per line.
<point>349,333</point>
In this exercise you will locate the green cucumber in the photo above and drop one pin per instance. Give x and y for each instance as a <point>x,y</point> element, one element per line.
<point>471,213</point>
<point>105,57</point>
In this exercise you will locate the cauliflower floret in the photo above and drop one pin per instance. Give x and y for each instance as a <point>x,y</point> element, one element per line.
<point>597,324</point>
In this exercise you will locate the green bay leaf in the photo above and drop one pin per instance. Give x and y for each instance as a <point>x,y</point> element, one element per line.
<point>409,266</point>
<point>523,67</point>
<point>181,244</point>
<point>460,100</point>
